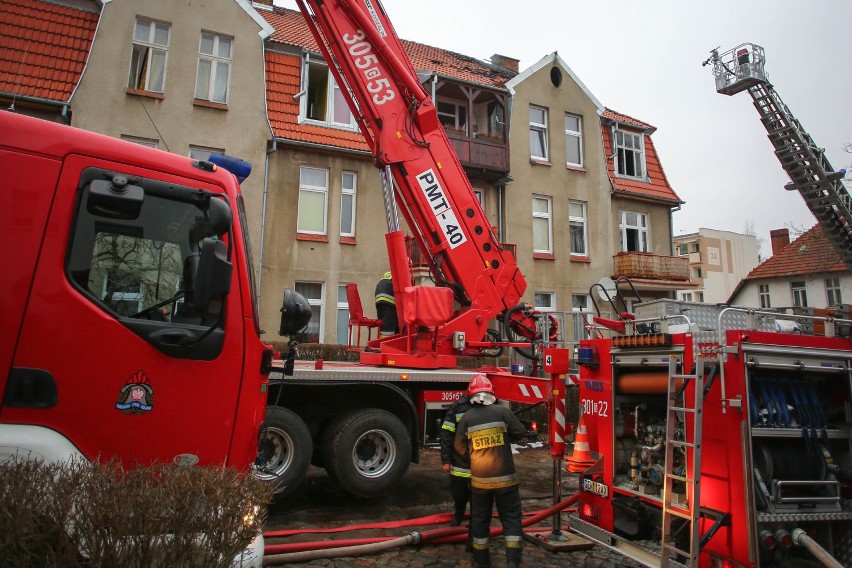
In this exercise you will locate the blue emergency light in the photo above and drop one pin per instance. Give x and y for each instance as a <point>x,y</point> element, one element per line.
<point>587,357</point>
<point>240,168</point>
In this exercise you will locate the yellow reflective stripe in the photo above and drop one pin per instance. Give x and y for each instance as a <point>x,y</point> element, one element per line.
<point>513,542</point>
<point>480,543</point>
<point>459,472</point>
<point>449,426</point>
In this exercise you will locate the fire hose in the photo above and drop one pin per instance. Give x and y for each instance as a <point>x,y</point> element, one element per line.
<point>277,555</point>
<point>802,539</point>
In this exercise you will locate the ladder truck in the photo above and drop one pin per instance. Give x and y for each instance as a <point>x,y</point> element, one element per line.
<point>820,185</point>
<point>364,422</point>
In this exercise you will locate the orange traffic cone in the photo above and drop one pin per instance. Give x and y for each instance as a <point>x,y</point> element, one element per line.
<point>581,457</point>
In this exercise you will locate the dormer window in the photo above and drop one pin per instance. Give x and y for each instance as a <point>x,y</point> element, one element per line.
<point>324,101</point>
<point>629,154</point>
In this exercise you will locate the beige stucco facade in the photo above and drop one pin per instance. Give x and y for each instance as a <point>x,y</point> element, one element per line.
<point>558,273</point>
<point>718,260</point>
<point>172,119</point>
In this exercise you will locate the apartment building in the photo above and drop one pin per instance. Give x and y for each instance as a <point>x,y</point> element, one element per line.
<point>576,190</point>
<point>718,260</point>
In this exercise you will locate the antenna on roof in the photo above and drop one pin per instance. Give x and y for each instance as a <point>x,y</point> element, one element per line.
<point>18,84</point>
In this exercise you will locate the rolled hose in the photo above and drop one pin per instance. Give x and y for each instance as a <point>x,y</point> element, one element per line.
<point>802,539</point>
<point>307,551</point>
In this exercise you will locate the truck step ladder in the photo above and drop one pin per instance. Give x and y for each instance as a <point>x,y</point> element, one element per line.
<point>680,411</point>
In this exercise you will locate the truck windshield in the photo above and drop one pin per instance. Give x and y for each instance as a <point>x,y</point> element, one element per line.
<point>142,268</point>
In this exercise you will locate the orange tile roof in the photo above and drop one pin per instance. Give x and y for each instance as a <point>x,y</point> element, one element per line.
<point>811,253</point>
<point>282,82</point>
<point>43,48</point>
<point>658,187</point>
<point>283,78</point>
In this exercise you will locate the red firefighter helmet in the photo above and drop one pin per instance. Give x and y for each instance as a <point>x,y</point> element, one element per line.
<point>480,383</point>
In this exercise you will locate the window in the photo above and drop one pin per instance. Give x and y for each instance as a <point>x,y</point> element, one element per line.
<point>686,296</point>
<point>574,140</point>
<point>538,133</point>
<point>496,120</point>
<point>148,59</point>
<point>347,204</point>
<point>542,229</point>
<point>682,249</point>
<point>694,247</point>
<point>699,296</point>
<point>832,292</point>
<point>313,199</point>
<point>580,304</point>
<point>800,295</point>
<point>577,221</point>
<point>634,231</point>
<point>203,153</point>
<point>630,154</point>
<point>545,301</point>
<point>696,271</point>
<point>480,197</point>
<point>149,142</point>
<point>342,315</point>
<point>214,66</point>
<point>312,291</point>
<point>452,115</point>
<point>763,295</point>
<point>324,101</point>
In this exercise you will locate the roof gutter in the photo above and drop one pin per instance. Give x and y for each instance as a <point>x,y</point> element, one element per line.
<point>321,147</point>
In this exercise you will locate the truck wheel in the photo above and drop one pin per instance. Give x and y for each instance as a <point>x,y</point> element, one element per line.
<point>367,451</point>
<point>286,451</point>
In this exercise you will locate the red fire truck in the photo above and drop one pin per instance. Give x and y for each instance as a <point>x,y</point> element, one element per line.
<point>129,327</point>
<point>724,443</point>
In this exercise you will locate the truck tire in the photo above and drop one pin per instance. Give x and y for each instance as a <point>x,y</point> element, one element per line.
<point>367,451</point>
<point>287,450</point>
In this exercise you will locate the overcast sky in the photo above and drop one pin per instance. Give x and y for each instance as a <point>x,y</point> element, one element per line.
<point>643,59</point>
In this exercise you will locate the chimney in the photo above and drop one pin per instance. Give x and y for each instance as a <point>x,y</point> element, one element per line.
<point>780,238</point>
<point>505,62</point>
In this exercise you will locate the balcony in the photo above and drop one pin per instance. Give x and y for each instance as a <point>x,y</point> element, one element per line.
<point>647,270</point>
<point>481,154</point>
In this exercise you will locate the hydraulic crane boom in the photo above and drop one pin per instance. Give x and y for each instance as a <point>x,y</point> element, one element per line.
<point>742,68</point>
<point>400,125</point>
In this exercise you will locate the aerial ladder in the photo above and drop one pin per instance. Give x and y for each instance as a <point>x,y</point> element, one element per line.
<point>423,179</point>
<point>742,69</point>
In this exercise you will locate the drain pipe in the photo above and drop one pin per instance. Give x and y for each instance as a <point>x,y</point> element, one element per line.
<point>272,149</point>
<point>802,539</point>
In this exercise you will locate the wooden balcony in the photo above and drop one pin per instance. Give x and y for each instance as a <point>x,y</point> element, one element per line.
<point>482,153</point>
<point>651,268</point>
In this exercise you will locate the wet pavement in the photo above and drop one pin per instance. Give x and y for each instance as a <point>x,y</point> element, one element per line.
<point>424,492</point>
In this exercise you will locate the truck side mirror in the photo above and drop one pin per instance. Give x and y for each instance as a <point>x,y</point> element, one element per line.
<point>219,216</point>
<point>116,198</point>
<point>213,277</point>
<point>295,313</point>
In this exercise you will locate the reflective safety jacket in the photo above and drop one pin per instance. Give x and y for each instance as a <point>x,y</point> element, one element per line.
<point>459,466</point>
<point>484,435</point>
<point>384,289</point>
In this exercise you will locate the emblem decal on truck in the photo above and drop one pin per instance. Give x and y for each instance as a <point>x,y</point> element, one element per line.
<point>136,396</point>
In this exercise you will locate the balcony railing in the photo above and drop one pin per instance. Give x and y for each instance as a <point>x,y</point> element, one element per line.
<point>480,152</point>
<point>650,266</point>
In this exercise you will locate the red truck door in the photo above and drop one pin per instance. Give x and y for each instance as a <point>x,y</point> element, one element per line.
<point>117,352</point>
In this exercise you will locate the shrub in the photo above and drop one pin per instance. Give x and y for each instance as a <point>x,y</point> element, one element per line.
<point>82,513</point>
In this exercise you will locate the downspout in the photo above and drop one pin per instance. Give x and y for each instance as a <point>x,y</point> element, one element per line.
<point>103,4</point>
<point>272,149</point>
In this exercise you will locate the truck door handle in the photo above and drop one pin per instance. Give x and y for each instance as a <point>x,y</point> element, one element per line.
<point>173,337</point>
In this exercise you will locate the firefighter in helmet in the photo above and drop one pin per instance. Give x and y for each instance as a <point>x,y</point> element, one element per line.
<point>386,305</point>
<point>484,435</point>
<point>452,462</point>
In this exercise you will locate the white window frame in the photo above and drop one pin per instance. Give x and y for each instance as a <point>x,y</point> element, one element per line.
<point>147,142</point>
<point>543,308</point>
<point>305,189</point>
<point>644,237</point>
<point>686,296</point>
<point>832,292</point>
<point>799,291</point>
<point>635,151</point>
<point>218,64</point>
<point>344,193</point>
<point>539,130</point>
<point>331,97</point>
<point>315,302</point>
<point>342,311</point>
<point>575,221</point>
<point>763,296</point>
<point>480,196</point>
<point>203,152</point>
<point>548,217</point>
<point>455,119</point>
<point>149,46</point>
<point>571,135</point>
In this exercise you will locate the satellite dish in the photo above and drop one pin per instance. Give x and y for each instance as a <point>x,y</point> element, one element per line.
<point>607,286</point>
